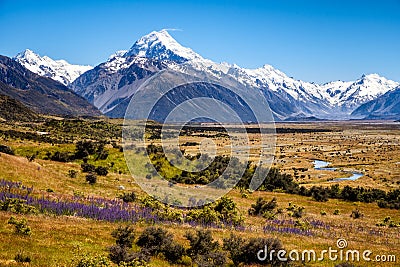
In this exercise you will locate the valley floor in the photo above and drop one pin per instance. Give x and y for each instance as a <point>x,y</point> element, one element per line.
<point>371,148</point>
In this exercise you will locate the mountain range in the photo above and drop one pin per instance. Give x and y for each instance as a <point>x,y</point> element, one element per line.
<point>39,94</point>
<point>59,70</point>
<point>110,85</point>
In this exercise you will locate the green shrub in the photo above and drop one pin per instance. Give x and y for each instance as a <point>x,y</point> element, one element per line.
<point>245,250</point>
<point>336,212</point>
<point>154,240</point>
<point>61,156</point>
<point>295,211</point>
<point>387,221</point>
<point>204,250</point>
<point>205,215</point>
<point>151,202</point>
<point>22,257</point>
<point>223,211</point>
<point>133,263</point>
<point>86,167</point>
<point>72,173</point>
<point>21,226</point>
<point>102,171</point>
<point>303,225</point>
<point>91,178</point>
<point>84,149</point>
<point>173,252</point>
<point>87,260</point>
<point>117,254</point>
<point>169,214</point>
<point>214,258</point>
<point>124,236</point>
<point>356,214</point>
<point>227,211</point>
<point>319,194</point>
<point>262,207</point>
<point>128,197</point>
<point>17,206</point>
<point>32,157</point>
<point>201,243</point>
<point>6,150</point>
<point>382,204</point>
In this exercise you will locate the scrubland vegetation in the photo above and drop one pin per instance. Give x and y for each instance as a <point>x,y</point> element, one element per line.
<point>67,198</point>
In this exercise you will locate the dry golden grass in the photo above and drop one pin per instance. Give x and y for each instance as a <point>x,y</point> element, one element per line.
<point>55,238</point>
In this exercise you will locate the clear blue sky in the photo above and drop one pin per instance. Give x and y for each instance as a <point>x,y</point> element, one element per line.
<point>310,40</point>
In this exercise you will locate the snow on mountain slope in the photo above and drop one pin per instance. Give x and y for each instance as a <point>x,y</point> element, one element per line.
<point>117,79</point>
<point>111,82</point>
<point>386,106</point>
<point>59,70</point>
<point>367,88</point>
<point>161,46</point>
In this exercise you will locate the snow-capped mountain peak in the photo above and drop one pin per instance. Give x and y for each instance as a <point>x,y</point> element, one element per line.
<point>59,70</point>
<point>110,84</point>
<point>162,46</point>
<point>28,55</point>
<point>364,89</point>
<point>119,53</point>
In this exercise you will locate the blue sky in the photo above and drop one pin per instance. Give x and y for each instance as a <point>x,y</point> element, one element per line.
<point>315,41</point>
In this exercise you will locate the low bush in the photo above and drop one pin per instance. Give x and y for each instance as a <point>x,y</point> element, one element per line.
<point>154,240</point>
<point>118,254</point>
<point>204,250</point>
<point>224,211</point>
<point>6,150</point>
<point>17,206</point>
<point>295,211</point>
<point>86,167</point>
<point>336,212</point>
<point>21,226</point>
<point>319,193</point>
<point>124,236</point>
<point>22,257</point>
<point>263,207</point>
<point>102,171</point>
<point>61,156</point>
<point>174,252</point>
<point>72,173</point>
<point>201,242</point>
<point>91,178</point>
<point>128,197</point>
<point>356,214</point>
<point>244,251</point>
<point>87,260</point>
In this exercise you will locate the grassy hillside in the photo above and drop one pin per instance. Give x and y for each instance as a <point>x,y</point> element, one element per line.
<point>13,110</point>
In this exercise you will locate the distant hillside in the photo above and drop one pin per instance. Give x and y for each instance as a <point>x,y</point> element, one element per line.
<point>41,94</point>
<point>386,106</point>
<point>13,110</point>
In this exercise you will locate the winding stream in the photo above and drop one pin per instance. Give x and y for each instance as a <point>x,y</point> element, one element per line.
<point>323,165</point>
